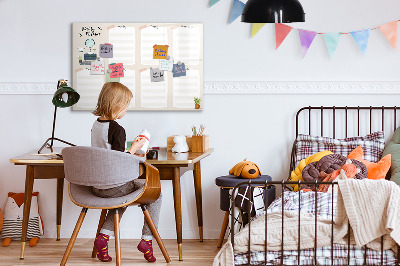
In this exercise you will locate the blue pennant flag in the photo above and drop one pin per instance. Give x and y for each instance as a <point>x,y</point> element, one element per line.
<point>332,41</point>
<point>237,9</point>
<point>213,2</point>
<point>361,37</point>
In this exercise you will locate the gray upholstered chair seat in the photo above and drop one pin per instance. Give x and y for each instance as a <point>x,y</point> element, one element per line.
<point>83,196</point>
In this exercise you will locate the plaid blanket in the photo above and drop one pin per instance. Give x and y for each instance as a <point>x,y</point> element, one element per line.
<point>323,205</point>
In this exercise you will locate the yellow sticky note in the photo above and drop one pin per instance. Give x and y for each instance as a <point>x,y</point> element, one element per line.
<point>160,51</point>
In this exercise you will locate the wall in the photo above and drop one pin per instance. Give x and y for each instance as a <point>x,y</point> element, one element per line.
<point>36,43</point>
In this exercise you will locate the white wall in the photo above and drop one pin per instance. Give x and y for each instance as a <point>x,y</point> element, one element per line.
<point>35,40</point>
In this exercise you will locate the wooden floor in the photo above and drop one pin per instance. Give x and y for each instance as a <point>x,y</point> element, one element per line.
<point>50,252</point>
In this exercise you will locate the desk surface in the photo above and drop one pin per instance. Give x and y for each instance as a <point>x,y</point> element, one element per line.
<point>164,157</point>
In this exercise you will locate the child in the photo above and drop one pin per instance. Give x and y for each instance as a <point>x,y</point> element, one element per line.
<point>112,104</point>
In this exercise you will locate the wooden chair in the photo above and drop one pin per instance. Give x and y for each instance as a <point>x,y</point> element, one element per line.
<point>85,167</point>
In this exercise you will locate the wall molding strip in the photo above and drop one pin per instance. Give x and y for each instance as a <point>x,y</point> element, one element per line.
<point>243,87</point>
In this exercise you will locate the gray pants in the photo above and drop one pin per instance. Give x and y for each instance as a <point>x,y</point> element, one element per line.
<point>154,208</point>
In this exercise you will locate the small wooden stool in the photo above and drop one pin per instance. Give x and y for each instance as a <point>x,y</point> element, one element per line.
<point>226,183</point>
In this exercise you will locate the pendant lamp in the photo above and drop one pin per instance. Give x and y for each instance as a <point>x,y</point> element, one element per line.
<point>63,97</point>
<point>273,11</point>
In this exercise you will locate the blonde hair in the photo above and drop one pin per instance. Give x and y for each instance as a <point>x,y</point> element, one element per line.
<point>113,98</point>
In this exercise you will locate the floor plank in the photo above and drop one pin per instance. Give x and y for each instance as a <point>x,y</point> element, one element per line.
<point>50,252</point>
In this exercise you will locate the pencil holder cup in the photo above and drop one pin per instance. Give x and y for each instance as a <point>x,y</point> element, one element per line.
<point>200,143</point>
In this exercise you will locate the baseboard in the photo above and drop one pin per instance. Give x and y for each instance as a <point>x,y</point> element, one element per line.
<point>246,87</point>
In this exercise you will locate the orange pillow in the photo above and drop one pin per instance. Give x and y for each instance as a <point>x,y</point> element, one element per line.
<point>375,170</point>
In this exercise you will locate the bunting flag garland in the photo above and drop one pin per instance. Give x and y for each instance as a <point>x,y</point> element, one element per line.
<point>332,41</point>
<point>389,30</point>
<point>256,27</point>
<point>306,39</point>
<point>237,9</point>
<point>361,37</point>
<point>213,2</point>
<point>281,31</point>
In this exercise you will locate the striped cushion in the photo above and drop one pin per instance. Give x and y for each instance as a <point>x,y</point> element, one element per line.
<point>13,228</point>
<point>372,145</point>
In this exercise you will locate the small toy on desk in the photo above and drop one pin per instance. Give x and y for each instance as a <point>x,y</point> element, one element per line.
<point>13,215</point>
<point>245,169</point>
<point>180,144</point>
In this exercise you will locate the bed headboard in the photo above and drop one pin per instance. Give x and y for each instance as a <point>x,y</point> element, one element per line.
<point>344,121</point>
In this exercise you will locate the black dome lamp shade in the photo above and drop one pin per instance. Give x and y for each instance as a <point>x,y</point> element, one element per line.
<point>63,97</point>
<point>273,11</point>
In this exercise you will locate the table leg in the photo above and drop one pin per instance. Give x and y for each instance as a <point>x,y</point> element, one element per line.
<point>199,204</point>
<point>27,206</point>
<point>60,190</point>
<point>176,183</point>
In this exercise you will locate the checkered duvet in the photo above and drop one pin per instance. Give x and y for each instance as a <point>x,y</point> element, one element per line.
<point>306,202</point>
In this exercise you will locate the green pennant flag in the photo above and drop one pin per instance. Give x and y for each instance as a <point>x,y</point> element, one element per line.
<point>213,2</point>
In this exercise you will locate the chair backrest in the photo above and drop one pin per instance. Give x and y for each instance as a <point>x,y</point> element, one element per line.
<point>92,166</point>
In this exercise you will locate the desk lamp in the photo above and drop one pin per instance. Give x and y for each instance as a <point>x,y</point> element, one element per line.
<point>63,97</point>
<point>273,11</point>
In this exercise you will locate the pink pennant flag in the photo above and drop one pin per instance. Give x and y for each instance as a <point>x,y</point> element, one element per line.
<point>306,39</point>
<point>281,31</point>
<point>389,30</point>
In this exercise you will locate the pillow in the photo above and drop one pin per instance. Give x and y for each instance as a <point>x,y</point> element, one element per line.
<point>372,144</point>
<point>393,148</point>
<point>375,170</point>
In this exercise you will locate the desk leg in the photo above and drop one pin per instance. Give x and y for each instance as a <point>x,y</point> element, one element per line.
<point>199,204</point>
<point>27,206</point>
<point>176,182</point>
<point>60,190</point>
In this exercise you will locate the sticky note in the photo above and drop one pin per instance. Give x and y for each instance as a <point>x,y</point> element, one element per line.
<point>156,75</point>
<point>109,79</point>
<point>160,51</point>
<point>166,64</point>
<point>179,70</point>
<point>106,50</point>
<point>97,68</point>
<point>117,70</point>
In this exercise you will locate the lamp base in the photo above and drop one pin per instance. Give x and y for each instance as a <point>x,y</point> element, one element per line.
<point>50,146</point>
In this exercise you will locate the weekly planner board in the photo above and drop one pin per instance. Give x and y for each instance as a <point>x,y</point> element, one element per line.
<point>162,64</point>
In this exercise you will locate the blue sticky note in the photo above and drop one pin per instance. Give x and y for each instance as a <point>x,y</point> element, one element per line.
<point>179,70</point>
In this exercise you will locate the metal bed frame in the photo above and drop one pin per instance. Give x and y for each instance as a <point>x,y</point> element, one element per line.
<point>283,184</point>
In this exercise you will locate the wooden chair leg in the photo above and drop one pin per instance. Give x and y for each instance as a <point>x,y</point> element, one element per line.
<point>73,237</point>
<point>117,238</point>
<point>154,230</point>
<point>223,229</point>
<point>101,222</point>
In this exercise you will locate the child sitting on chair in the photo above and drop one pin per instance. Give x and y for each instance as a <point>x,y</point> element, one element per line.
<point>112,104</point>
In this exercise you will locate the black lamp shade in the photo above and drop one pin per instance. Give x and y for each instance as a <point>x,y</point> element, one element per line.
<point>73,96</point>
<point>273,11</point>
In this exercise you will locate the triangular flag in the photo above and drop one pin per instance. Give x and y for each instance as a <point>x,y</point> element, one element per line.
<point>213,2</point>
<point>237,9</point>
<point>361,37</point>
<point>256,28</point>
<point>332,41</point>
<point>390,32</point>
<point>281,31</point>
<point>306,39</point>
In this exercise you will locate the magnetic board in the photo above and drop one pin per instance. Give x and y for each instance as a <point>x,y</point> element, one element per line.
<point>161,63</point>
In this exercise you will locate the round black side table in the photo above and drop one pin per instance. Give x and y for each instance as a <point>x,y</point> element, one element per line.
<point>226,183</point>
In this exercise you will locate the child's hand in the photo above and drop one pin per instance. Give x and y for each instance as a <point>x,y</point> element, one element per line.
<point>137,144</point>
